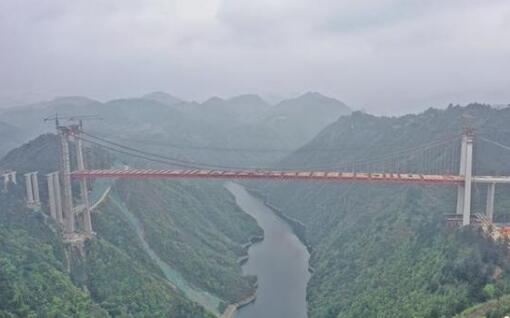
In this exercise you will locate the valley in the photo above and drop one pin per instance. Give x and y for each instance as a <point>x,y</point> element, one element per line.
<point>254,159</point>
<point>280,262</point>
<point>188,247</point>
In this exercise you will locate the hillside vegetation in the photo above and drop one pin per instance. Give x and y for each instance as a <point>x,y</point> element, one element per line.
<point>383,251</point>
<point>36,280</point>
<point>33,277</point>
<point>196,230</point>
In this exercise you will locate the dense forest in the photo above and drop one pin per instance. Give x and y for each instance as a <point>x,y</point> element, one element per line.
<point>161,247</point>
<point>171,249</point>
<point>255,159</point>
<point>38,277</point>
<point>384,251</point>
<point>195,230</point>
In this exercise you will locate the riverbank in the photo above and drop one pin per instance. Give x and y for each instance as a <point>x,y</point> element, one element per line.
<point>233,308</point>
<point>253,240</point>
<point>280,263</point>
<point>297,227</point>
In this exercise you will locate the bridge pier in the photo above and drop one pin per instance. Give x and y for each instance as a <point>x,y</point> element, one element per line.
<point>13,177</point>
<point>29,189</point>
<point>35,185</point>
<point>54,197</point>
<point>489,210</point>
<point>9,177</point>
<point>32,190</point>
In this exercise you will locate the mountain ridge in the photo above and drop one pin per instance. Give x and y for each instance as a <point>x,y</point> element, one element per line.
<point>163,97</point>
<point>239,121</point>
<point>378,249</point>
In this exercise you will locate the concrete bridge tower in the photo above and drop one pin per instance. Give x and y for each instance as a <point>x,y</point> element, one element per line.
<point>61,196</point>
<point>87,222</point>
<point>65,175</point>
<point>466,170</point>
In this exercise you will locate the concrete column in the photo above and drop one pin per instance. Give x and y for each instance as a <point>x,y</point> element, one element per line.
<point>466,215</point>
<point>87,222</point>
<point>65,170</point>
<point>29,189</point>
<point>35,188</point>
<point>489,210</point>
<point>51,195</point>
<point>462,172</point>
<point>13,177</point>
<point>6,181</point>
<point>58,197</point>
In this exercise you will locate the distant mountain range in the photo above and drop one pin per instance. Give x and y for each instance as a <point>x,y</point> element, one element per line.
<point>163,98</point>
<point>245,121</point>
<point>376,251</point>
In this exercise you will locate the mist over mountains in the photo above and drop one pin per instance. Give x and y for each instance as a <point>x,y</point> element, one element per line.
<point>163,118</point>
<point>366,241</point>
<point>254,159</point>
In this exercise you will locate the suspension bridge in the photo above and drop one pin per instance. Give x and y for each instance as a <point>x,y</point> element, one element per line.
<point>448,161</point>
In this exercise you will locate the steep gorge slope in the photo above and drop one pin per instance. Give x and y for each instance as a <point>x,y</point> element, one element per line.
<point>195,230</point>
<point>383,251</point>
<point>33,279</point>
<point>36,280</point>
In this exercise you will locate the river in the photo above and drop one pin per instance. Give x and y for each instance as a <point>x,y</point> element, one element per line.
<point>280,262</point>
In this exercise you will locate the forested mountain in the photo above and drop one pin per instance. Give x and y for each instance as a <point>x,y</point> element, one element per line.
<point>172,247</point>
<point>166,249</point>
<point>177,244</point>
<point>383,250</point>
<point>27,122</point>
<point>38,280</point>
<point>163,123</point>
<point>285,114</point>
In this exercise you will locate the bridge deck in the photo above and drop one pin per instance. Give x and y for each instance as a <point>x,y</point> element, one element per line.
<point>491,179</point>
<point>271,175</point>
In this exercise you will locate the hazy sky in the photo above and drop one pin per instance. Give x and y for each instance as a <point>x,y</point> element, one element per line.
<point>386,56</point>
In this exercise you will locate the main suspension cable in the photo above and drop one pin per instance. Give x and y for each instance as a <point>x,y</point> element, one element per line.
<point>495,143</point>
<point>170,163</point>
<point>191,164</point>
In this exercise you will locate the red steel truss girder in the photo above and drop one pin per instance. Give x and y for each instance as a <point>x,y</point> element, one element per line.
<point>271,175</point>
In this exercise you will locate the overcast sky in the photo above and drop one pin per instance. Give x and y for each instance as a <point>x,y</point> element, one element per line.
<point>386,56</point>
